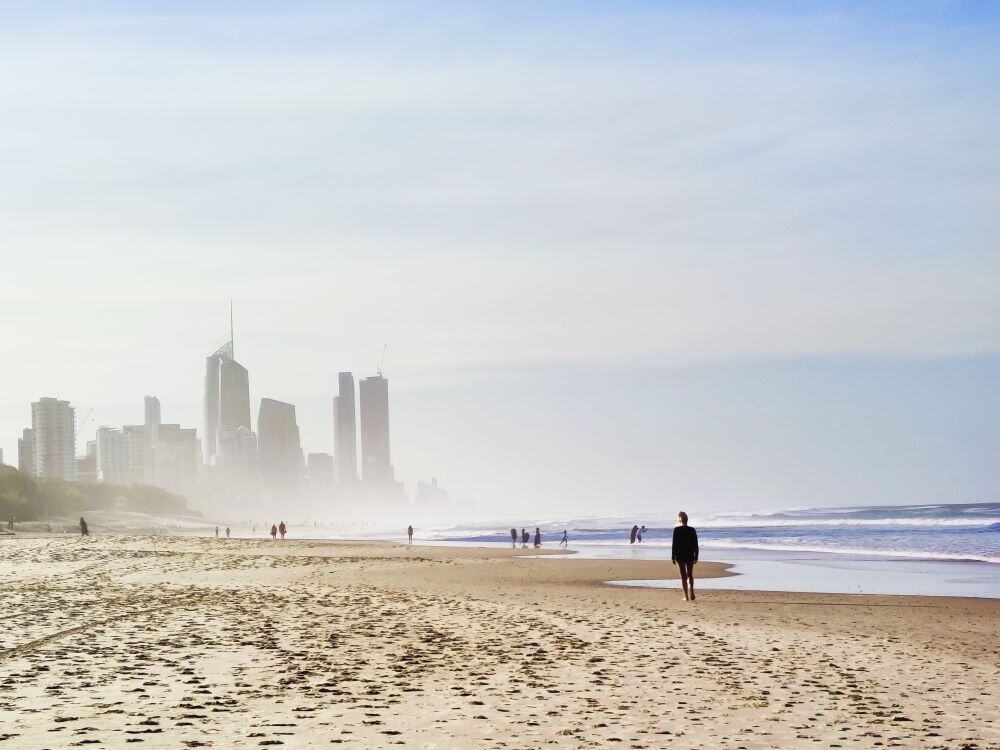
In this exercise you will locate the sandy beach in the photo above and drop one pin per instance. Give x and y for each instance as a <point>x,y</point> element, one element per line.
<point>175,642</point>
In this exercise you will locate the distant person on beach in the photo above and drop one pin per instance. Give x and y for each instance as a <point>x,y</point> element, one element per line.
<point>10,523</point>
<point>538,537</point>
<point>274,531</point>
<point>282,528</point>
<point>565,539</point>
<point>409,533</point>
<point>513,537</point>
<point>641,532</point>
<point>524,538</point>
<point>227,532</point>
<point>635,531</point>
<point>216,532</point>
<point>684,553</point>
<point>84,531</point>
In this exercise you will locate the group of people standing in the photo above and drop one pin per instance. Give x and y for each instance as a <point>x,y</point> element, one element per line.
<point>526,537</point>
<point>636,534</point>
<point>279,529</point>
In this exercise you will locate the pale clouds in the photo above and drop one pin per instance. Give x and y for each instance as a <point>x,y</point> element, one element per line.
<point>490,186</point>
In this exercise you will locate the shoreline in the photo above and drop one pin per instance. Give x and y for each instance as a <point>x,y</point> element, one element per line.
<point>742,569</point>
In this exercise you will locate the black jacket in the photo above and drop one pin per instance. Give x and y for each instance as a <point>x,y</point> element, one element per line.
<point>685,546</point>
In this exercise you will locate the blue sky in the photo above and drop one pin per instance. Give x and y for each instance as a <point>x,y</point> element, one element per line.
<point>527,201</point>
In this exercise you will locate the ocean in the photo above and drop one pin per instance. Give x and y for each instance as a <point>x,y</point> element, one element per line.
<point>967,531</point>
<point>940,549</point>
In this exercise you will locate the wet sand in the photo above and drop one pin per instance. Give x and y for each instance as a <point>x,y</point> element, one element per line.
<point>174,642</point>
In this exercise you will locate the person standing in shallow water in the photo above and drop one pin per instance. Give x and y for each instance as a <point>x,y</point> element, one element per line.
<point>409,533</point>
<point>684,553</point>
<point>631,537</point>
<point>513,538</point>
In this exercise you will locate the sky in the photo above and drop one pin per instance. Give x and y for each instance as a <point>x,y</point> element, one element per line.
<point>625,256</point>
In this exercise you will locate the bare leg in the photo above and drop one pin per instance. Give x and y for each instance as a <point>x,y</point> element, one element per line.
<point>687,576</point>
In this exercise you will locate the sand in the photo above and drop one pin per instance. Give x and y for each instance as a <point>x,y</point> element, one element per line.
<point>174,642</point>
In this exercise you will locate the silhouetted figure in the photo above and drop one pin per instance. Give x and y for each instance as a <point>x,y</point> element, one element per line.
<point>216,532</point>
<point>684,553</point>
<point>84,531</point>
<point>524,538</point>
<point>409,533</point>
<point>631,538</point>
<point>227,532</point>
<point>638,536</point>
<point>565,539</point>
<point>538,537</point>
<point>282,529</point>
<point>513,537</point>
<point>274,531</point>
<point>10,523</point>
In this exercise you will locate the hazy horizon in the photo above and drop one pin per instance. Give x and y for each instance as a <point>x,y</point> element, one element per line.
<point>734,257</point>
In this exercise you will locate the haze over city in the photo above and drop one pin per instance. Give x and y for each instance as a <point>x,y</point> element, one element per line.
<point>622,257</point>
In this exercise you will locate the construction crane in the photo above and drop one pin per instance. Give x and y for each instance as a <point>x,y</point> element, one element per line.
<point>83,423</point>
<point>382,361</point>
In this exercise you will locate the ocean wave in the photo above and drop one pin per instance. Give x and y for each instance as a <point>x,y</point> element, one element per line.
<point>909,554</point>
<point>751,523</point>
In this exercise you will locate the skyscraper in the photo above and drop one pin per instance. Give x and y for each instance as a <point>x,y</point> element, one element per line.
<point>151,424</point>
<point>227,400</point>
<point>345,431</point>
<point>376,469</point>
<point>26,452</point>
<point>112,456</point>
<point>279,451</point>
<point>175,459</point>
<point>319,471</point>
<point>152,421</point>
<point>53,423</point>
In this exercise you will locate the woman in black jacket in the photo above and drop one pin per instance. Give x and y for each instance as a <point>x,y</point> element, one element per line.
<point>684,553</point>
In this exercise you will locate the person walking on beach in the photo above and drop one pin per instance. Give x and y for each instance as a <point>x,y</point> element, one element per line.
<point>84,531</point>
<point>216,532</point>
<point>565,539</point>
<point>274,531</point>
<point>524,538</point>
<point>684,553</point>
<point>282,528</point>
<point>538,538</point>
<point>635,530</point>
<point>513,538</point>
<point>227,532</point>
<point>409,533</point>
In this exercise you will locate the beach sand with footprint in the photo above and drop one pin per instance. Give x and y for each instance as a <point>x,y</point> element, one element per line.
<point>179,642</point>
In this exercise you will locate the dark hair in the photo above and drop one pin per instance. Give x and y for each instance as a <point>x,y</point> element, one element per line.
<point>683,516</point>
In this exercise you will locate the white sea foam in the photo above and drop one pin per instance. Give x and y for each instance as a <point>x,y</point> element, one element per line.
<point>761,523</point>
<point>909,554</point>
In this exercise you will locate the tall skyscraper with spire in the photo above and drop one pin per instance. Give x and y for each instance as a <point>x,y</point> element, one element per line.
<point>229,441</point>
<point>345,431</point>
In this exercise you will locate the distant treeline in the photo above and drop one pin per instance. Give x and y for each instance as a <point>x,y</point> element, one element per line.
<point>30,499</point>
